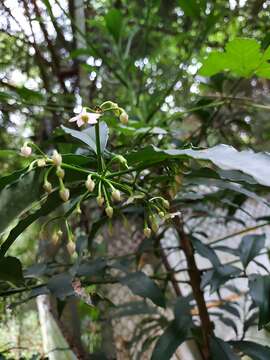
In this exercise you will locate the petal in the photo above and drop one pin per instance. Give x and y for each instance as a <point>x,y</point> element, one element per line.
<point>75,118</point>
<point>93,118</point>
<point>80,122</point>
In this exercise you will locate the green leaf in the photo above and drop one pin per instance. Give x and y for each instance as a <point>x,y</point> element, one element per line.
<point>88,136</point>
<point>220,350</point>
<point>61,286</point>
<point>218,276</point>
<point>242,57</point>
<point>223,156</point>
<point>253,350</point>
<point>18,196</point>
<point>49,206</point>
<point>140,284</point>
<point>250,247</point>
<point>11,270</point>
<point>191,8</point>
<point>182,314</point>
<point>260,292</point>
<point>168,342</point>
<point>114,23</point>
<point>206,251</point>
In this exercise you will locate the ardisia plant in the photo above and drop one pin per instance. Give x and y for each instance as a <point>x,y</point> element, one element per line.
<point>160,188</point>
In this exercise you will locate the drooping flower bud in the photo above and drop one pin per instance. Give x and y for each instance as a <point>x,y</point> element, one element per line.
<point>60,233</point>
<point>100,201</point>
<point>166,203</point>
<point>60,172</point>
<point>41,162</point>
<point>47,186</point>
<point>71,247</point>
<point>109,211</point>
<point>116,195</point>
<point>64,194</point>
<point>122,160</point>
<point>161,214</point>
<point>56,158</point>
<point>147,232</point>
<point>90,184</point>
<point>26,150</point>
<point>123,118</point>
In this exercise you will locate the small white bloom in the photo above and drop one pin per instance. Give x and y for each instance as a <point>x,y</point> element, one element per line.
<point>116,195</point>
<point>124,118</point>
<point>56,158</point>
<point>41,162</point>
<point>109,212</point>
<point>90,184</point>
<point>64,194</point>
<point>147,232</point>
<point>85,118</point>
<point>26,150</point>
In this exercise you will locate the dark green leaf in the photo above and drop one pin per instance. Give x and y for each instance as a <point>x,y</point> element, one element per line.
<point>61,286</point>
<point>221,350</point>
<point>140,284</point>
<point>168,342</point>
<point>223,156</point>
<point>182,314</point>
<point>11,270</point>
<point>250,247</point>
<point>206,251</point>
<point>218,276</point>
<point>260,292</point>
<point>253,350</point>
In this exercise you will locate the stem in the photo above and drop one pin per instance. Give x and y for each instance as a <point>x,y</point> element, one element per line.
<point>195,281</point>
<point>99,156</point>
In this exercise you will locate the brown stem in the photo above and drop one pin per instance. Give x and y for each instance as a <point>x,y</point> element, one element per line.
<point>195,281</point>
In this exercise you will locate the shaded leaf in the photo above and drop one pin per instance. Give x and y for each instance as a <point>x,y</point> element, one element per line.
<point>61,286</point>
<point>250,247</point>
<point>168,342</point>
<point>11,270</point>
<point>260,292</point>
<point>220,350</point>
<point>140,284</point>
<point>218,276</point>
<point>206,251</point>
<point>253,350</point>
<point>114,23</point>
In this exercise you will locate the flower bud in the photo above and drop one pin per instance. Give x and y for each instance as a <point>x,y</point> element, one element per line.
<point>60,233</point>
<point>41,162</point>
<point>71,247</point>
<point>116,195</point>
<point>60,172</point>
<point>166,203</point>
<point>147,232</point>
<point>64,194</point>
<point>26,150</point>
<point>109,211</point>
<point>90,184</point>
<point>161,214</point>
<point>100,201</point>
<point>121,159</point>
<point>154,227</point>
<point>56,158</point>
<point>47,186</point>
<point>123,118</point>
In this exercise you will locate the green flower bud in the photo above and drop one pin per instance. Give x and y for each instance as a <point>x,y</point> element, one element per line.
<point>56,158</point>
<point>100,201</point>
<point>47,186</point>
<point>60,172</point>
<point>90,184</point>
<point>109,211</point>
<point>64,194</point>
<point>116,195</point>
<point>147,232</point>
<point>123,118</point>
<point>166,203</point>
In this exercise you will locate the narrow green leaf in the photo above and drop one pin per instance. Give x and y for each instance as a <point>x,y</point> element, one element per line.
<point>114,23</point>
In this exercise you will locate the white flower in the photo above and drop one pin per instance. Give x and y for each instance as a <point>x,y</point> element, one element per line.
<point>26,150</point>
<point>90,184</point>
<point>64,194</point>
<point>116,195</point>
<point>85,118</point>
